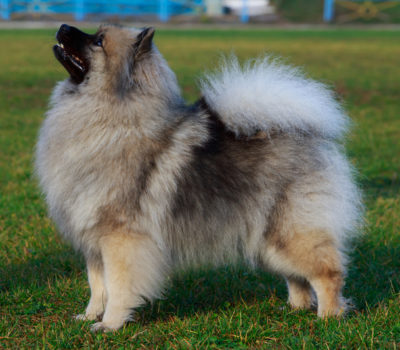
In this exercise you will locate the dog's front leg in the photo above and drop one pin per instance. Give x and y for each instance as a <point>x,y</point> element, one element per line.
<point>133,271</point>
<point>98,297</point>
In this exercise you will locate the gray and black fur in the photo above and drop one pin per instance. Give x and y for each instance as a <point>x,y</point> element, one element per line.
<point>141,183</point>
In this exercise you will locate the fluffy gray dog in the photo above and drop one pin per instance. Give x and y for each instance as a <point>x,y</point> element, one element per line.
<point>141,183</point>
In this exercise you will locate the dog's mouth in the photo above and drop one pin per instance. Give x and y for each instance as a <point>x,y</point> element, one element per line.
<point>70,51</point>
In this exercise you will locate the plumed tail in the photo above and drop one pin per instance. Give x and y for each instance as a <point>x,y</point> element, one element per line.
<point>264,95</point>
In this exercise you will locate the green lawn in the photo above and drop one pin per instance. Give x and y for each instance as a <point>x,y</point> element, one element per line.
<point>43,282</point>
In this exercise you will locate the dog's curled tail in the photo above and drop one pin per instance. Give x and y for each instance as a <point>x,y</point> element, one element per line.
<point>265,95</point>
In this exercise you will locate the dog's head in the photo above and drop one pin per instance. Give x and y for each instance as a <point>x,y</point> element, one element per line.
<point>114,57</point>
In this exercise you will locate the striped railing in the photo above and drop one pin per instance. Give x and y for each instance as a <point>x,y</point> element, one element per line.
<point>81,9</point>
<point>358,9</point>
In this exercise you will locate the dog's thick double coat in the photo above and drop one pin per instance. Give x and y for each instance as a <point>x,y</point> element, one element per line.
<point>141,183</point>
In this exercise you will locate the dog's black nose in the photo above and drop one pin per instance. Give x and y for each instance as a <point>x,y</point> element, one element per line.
<point>67,32</point>
<point>65,28</point>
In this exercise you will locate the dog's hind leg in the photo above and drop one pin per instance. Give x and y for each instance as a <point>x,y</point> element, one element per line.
<point>300,294</point>
<point>134,270</point>
<point>311,257</point>
<point>97,302</point>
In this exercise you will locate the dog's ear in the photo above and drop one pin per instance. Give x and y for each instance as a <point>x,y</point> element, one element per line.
<point>144,42</point>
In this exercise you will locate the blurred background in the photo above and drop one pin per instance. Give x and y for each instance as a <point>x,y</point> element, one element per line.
<point>351,45</point>
<point>204,11</point>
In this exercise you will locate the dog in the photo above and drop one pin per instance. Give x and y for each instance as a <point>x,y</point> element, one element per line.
<point>142,183</point>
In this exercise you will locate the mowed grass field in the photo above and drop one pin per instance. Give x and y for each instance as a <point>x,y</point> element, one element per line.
<point>43,282</point>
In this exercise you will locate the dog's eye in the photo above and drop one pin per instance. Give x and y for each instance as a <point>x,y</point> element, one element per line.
<point>99,42</point>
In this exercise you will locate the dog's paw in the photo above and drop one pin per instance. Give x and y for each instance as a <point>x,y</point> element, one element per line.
<point>86,317</point>
<point>103,327</point>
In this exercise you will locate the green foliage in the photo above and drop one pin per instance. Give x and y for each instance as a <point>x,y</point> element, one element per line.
<point>309,11</point>
<point>367,12</point>
<point>43,283</point>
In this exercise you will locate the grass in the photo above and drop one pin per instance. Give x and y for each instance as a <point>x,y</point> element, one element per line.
<point>43,283</point>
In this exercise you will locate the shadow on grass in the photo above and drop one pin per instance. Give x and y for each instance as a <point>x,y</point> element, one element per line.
<point>383,186</point>
<point>205,290</point>
<point>372,278</point>
<point>38,270</point>
<point>373,273</point>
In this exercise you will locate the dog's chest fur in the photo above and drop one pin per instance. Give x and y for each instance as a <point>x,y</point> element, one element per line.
<point>98,166</point>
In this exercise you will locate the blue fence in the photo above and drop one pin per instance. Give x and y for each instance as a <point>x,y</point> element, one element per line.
<point>81,9</point>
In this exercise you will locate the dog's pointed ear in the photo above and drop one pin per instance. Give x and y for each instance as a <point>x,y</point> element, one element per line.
<point>144,42</point>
